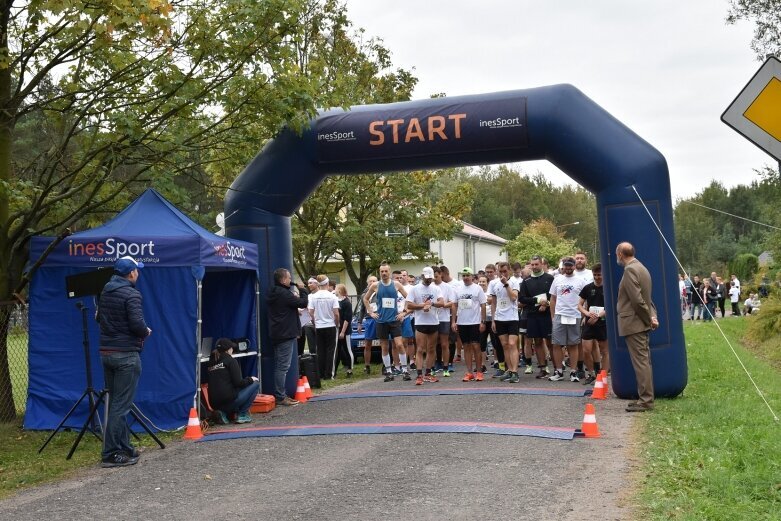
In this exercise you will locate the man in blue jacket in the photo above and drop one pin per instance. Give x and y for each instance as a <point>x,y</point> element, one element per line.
<point>122,334</point>
<point>284,328</point>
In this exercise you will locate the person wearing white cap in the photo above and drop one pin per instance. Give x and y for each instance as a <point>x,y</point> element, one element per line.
<point>421,299</point>
<point>122,334</point>
<point>324,309</point>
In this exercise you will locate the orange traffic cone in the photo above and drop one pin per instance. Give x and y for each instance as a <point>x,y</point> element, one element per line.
<point>599,389</point>
<point>589,427</point>
<point>300,391</point>
<point>193,431</point>
<point>307,389</point>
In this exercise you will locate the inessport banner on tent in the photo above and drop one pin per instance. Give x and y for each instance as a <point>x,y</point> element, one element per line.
<point>438,128</point>
<point>152,251</point>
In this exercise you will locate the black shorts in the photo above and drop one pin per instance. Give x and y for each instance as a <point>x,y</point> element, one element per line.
<point>470,334</point>
<point>596,332</point>
<point>509,327</point>
<point>388,329</point>
<point>444,328</point>
<point>523,324</point>
<point>427,330</point>
<point>538,325</point>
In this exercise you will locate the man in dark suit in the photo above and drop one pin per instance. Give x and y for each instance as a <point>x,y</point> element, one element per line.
<point>636,317</point>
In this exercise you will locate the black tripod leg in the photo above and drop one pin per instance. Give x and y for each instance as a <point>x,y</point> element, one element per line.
<point>90,419</point>
<point>136,412</point>
<point>65,418</point>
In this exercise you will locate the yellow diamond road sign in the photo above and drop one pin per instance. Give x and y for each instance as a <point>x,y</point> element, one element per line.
<point>756,112</point>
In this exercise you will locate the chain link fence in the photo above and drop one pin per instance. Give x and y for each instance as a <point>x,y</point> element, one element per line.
<point>13,358</point>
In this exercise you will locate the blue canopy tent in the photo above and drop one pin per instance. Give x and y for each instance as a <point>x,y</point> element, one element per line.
<point>195,285</point>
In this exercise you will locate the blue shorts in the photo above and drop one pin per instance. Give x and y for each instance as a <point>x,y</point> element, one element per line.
<point>407,331</point>
<point>369,329</point>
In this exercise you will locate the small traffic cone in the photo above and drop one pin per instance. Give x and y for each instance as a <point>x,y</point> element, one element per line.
<point>193,431</point>
<point>589,427</point>
<point>603,372</point>
<point>307,389</point>
<point>300,391</point>
<point>599,389</point>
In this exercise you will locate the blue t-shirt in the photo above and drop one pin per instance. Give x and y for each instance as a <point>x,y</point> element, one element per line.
<point>386,302</point>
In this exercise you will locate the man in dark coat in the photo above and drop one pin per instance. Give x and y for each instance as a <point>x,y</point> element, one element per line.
<point>284,328</point>
<point>122,334</point>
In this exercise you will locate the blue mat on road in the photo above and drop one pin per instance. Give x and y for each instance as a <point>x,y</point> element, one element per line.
<point>443,391</point>
<point>505,429</point>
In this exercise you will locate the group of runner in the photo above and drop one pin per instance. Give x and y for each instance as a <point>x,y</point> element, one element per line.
<point>525,310</point>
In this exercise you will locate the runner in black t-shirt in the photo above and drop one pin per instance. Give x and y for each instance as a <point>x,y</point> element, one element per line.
<point>594,332</point>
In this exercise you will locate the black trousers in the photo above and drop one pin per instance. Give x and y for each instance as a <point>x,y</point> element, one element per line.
<point>344,354</point>
<point>307,337</point>
<point>326,350</point>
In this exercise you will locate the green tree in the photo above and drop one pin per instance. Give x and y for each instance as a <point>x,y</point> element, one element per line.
<point>542,238</point>
<point>118,95</point>
<point>766,15</point>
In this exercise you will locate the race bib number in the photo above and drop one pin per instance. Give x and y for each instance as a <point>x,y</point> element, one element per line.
<point>568,321</point>
<point>389,302</point>
<point>504,303</point>
<point>464,303</point>
<point>596,309</point>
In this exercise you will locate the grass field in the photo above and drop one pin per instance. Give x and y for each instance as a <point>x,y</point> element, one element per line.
<point>714,453</point>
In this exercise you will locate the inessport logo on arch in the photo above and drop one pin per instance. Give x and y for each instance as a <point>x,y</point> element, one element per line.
<point>230,253</point>
<point>111,248</point>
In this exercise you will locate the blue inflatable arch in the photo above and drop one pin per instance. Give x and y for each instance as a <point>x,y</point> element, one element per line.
<point>557,123</point>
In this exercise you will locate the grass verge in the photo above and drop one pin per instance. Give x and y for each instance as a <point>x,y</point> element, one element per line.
<point>713,452</point>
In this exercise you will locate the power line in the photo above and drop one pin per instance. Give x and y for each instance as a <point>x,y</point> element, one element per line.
<point>732,215</point>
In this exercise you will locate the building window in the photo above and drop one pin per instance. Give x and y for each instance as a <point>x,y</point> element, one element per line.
<point>467,252</point>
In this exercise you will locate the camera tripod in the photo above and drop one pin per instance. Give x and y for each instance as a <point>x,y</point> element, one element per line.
<point>95,399</point>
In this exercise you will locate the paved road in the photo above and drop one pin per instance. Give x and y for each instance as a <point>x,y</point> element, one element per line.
<point>364,477</point>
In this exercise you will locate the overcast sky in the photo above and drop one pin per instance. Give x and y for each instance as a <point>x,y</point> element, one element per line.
<point>667,69</point>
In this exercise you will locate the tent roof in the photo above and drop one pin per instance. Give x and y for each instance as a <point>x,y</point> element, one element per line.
<point>152,230</point>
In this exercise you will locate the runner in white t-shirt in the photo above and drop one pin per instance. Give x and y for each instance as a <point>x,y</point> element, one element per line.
<point>456,347</point>
<point>443,314</point>
<point>565,297</point>
<point>580,268</point>
<point>468,320</point>
<point>504,311</point>
<point>324,310</point>
<point>425,299</point>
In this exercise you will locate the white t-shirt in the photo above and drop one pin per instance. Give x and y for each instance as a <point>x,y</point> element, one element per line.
<point>324,303</point>
<point>468,304</point>
<point>506,308</point>
<point>449,296</point>
<point>734,294</point>
<point>586,275</point>
<point>419,294</point>
<point>567,291</point>
<point>681,287</point>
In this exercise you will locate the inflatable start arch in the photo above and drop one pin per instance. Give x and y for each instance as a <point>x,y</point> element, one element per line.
<point>557,123</point>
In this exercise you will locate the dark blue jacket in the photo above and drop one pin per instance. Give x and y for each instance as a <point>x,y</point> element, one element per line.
<point>282,312</point>
<point>121,319</point>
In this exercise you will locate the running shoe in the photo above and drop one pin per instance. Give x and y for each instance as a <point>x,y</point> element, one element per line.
<point>573,376</point>
<point>468,377</point>
<point>498,373</point>
<point>557,376</point>
<point>406,376</point>
<point>223,418</point>
<point>590,379</point>
<point>505,376</point>
<point>514,379</point>
<point>451,368</point>
<point>483,369</point>
<point>495,365</point>
<point>542,374</point>
<point>419,380</point>
<point>430,378</point>
<point>397,371</point>
<point>529,370</point>
<point>581,374</point>
<point>389,377</point>
<point>244,418</point>
<point>438,366</point>
<point>367,369</point>
<point>412,366</point>
<point>479,376</point>
<point>446,373</point>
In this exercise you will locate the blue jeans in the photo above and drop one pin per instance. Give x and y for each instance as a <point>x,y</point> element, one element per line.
<point>121,373</point>
<point>711,312</point>
<point>244,400</point>
<point>283,353</point>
